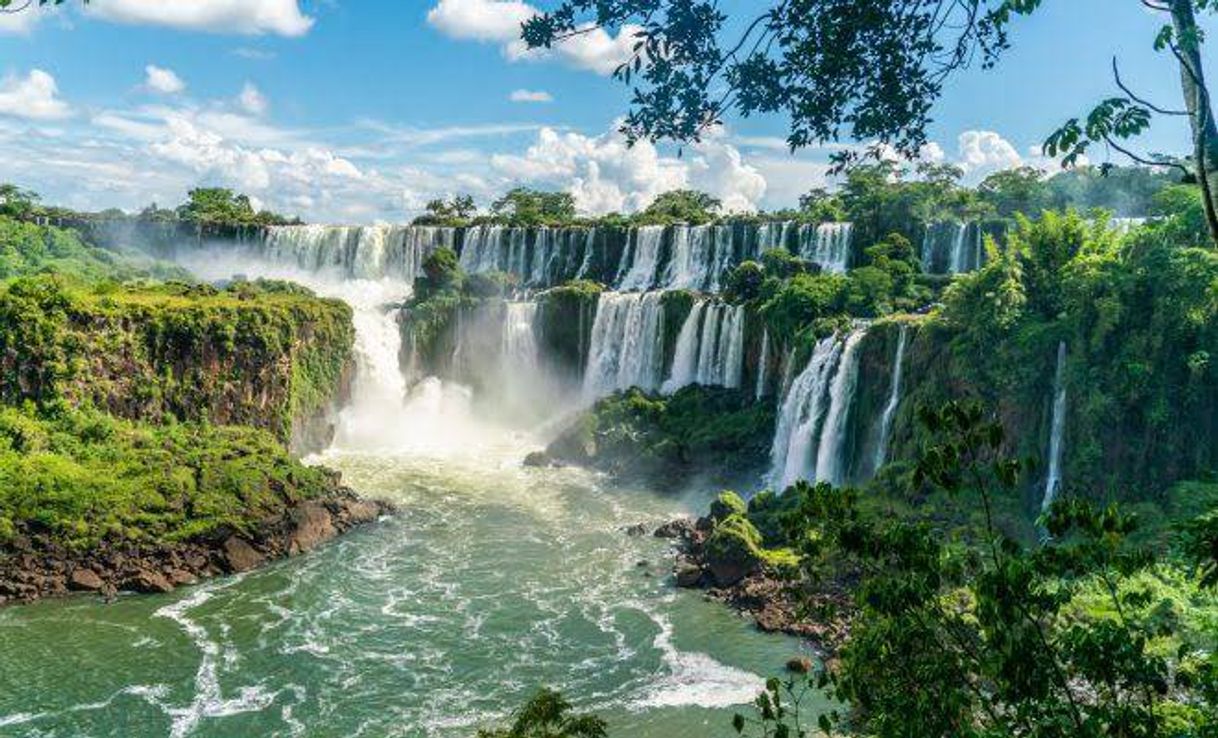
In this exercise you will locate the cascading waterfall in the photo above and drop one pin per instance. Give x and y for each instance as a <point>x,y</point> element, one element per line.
<point>710,347</point>
<point>830,456</point>
<point>1056,448</point>
<point>763,365</point>
<point>519,345</point>
<point>627,344</point>
<point>811,434</point>
<point>894,399</point>
<point>827,244</point>
<point>644,259</point>
<point>800,416</point>
<point>652,257</point>
<point>686,354</point>
<point>700,256</point>
<point>350,252</point>
<point>951,247</point>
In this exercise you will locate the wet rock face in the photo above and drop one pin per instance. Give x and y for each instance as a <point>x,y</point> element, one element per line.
<point>239,555</point>
<point>42,569</point>
<point>312,525</point>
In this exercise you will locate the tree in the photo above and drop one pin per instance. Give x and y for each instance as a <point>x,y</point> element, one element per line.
<point>1019,190</point>
<point>441,212</point>
<point>821,206</point>
<point>683,206</point>
<point>865,70</point>
<point>534,207</point>
<point>16,202</point>
<point>548,715</point>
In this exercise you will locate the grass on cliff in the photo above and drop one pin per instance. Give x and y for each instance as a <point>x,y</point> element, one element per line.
<point>255,353</point>
<point>81,476</point>
<point>27,249</point>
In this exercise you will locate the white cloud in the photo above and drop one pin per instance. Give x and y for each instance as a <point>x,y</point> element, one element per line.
<point>252,100</point>
<point>531,96</point>
<point>162,80</point>
<point>605,174</point>
<point>35,96</point>
<point>984,152</point>
<point>499,21</point>
<point>253,17</point>
<point>481,20</point>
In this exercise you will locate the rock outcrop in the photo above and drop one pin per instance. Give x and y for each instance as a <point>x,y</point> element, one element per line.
<point>33,567</point>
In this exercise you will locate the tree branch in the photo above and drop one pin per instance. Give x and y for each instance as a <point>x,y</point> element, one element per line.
<point>1116,74</point>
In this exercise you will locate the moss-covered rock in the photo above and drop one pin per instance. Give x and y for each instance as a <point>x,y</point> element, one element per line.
<point>727,503</point>
<point>733,550</point>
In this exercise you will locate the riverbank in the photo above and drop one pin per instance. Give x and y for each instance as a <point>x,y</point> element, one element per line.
<point>34,565</point>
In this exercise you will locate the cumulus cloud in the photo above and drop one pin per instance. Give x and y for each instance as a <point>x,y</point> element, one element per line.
<point>480,20</point>
<point>250,17</point>
<point>34,96</point>
<point>252,100</point>
<point>499,21</point>
<point>981,153</point>
<point>605,174</point>
<point>531,96</point>
<point>162,80</point>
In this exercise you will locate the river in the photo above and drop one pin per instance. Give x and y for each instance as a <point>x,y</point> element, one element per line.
<point>493,580</point>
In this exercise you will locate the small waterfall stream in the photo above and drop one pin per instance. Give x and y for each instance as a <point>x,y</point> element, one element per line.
<point>894,399</point>
<point>1053,478</point>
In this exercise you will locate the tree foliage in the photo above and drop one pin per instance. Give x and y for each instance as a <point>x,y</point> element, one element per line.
<point>525,206</point>
<point>548,715</point>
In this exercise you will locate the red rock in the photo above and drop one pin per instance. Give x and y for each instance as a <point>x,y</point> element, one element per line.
<point>239,555</point>
<point>312,525</point>
<point>86,580</point>
<point>148,581</point>
<point>181,577</point>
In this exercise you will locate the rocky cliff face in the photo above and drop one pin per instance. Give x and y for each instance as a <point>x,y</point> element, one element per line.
<point>265,355</point>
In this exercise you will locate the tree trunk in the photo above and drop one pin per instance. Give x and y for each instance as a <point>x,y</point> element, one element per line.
<point>1200,111</point>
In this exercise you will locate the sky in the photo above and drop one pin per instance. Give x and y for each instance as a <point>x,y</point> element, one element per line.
<point>359,111</point>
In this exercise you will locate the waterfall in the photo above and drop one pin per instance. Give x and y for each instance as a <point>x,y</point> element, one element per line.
<point>732,348</point>
<point>800,415</point>
<point>894,399</point>
<point>950,247</point>
<point>586,263</point>
<point>627,344</point>
<point>349,252</point>
<point>723,257</point>
<point>830,456</point>
<point>710,348</point>
<point>1056,448</point>
<point>690,258</point>
<point>644,259</point>
<point>763,365</point>
<point>811,434</point>
<point>519,344</point>
<point>827,244</point>
<point>685,356</point>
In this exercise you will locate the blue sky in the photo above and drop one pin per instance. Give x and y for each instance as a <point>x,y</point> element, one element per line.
<point>359,111</point>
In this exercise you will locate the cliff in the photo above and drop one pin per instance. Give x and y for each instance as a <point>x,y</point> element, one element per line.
<point>265,355</point>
